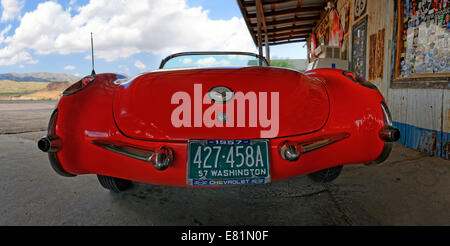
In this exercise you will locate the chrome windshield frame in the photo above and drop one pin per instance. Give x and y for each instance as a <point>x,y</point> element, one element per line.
<point>261,58</point>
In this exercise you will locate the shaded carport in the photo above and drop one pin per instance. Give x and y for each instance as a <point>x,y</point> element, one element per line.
<point>276,22</point>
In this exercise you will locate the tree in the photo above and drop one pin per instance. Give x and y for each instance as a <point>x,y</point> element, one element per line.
<point>282,63</point>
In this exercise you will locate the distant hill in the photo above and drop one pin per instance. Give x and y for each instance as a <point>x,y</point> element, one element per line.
<point>39,77</point>
<point>11,90</point>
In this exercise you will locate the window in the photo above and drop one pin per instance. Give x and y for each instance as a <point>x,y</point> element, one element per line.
<point>212,59</point>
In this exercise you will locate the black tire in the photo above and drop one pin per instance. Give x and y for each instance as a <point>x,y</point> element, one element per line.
<point>114,184</point>
<point>327,175</point>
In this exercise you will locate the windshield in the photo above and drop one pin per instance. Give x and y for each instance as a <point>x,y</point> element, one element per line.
<point>212,59</point>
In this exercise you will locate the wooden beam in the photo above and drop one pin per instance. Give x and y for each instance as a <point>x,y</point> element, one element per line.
<point>266,2</point>
<point>288,42</point>
<point>274,18</point>
<point>303,31</point>
<point>287,38</point>
<point>289,34</point>
<point>289,11</point>
<point>262,15</point>
<point>291,28</point>
<point>292,20</point>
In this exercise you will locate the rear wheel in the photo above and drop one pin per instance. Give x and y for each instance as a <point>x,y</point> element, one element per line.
<point>327,175</point>
<point>114,184</point>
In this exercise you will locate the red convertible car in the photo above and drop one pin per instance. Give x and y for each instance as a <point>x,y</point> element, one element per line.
<point>214,119</point>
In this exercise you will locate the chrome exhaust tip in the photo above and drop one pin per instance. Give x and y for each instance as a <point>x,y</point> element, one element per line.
<point>390,134</point>
<point>48,145</point>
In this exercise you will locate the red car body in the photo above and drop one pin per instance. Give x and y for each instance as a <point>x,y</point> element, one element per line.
<point>315,107</point>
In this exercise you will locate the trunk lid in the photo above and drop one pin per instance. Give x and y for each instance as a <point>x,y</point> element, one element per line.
<point>144,108</point>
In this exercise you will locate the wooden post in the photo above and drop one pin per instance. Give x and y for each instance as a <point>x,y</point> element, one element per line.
<point>267,48</point>
<point>259,20</point>
<point>399,48</point>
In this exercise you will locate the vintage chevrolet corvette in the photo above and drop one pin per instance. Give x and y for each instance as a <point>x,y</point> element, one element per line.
<point>211,119</point>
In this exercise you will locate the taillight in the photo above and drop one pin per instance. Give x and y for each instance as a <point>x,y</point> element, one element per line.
<point>353,77</point>
<point>78,86</point>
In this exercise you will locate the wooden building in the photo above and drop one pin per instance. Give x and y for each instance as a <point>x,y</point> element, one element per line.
<point>402,46</point>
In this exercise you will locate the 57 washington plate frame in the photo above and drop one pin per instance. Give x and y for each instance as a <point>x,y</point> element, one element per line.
<point>204,142</point>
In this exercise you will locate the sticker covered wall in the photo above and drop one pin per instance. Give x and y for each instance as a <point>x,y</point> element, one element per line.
<point>426,37</point>
<point>359,48</point>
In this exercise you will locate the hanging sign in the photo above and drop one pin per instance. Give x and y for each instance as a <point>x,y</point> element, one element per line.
<point>360,8</point>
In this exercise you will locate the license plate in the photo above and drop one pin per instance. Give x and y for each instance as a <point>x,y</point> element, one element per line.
<point>228,162</point>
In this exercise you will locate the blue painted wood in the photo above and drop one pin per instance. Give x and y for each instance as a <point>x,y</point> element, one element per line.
<point>435,143</point>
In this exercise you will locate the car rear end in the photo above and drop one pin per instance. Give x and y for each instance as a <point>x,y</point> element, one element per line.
<point>124,129</point>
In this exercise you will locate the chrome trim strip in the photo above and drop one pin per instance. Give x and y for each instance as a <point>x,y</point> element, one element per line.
<point>387,148</point>
<point>292,151</point>
<point>387,114</point>
<point>129,151</point>
<point>56,165</point>
<point>161,158</point>
<point>322,142</point>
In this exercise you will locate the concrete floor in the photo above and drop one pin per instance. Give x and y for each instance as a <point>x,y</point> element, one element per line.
<point>409,189</point>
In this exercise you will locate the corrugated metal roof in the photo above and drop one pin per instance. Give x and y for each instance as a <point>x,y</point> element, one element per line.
<point>286,21</point>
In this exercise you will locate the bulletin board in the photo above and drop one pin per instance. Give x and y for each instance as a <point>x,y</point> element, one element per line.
<point>424,38</point>
<point>359,48</point>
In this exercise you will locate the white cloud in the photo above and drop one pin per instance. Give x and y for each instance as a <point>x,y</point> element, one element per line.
<point>122,29</point>
<point>211,61</point>
<point>31,61</point>
<point>11,9</point>
<point>9,57</point>
<point>4,32</point>
<point>123,68</point>
<point>207,61</point>
<point>140,65</point>
<point>187,61</point>
<point>69,67</point>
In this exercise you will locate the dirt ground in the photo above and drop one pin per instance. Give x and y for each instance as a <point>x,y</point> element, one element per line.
<point>411,188</point>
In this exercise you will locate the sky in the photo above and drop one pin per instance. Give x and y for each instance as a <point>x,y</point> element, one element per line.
<point>130,36</point>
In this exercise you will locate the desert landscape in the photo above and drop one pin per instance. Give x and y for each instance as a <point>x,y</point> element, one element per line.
<point>34,86</point>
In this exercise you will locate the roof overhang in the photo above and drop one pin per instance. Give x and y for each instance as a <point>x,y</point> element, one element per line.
<point>281,21</point>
